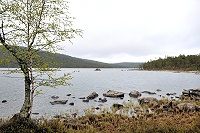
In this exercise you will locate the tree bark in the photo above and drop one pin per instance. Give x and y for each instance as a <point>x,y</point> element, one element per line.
<point>26,108</point>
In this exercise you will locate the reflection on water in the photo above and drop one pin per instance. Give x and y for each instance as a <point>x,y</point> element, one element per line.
<point>87,81</point>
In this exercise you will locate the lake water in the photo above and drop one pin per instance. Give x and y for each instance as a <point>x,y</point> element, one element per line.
<point>87,81</point>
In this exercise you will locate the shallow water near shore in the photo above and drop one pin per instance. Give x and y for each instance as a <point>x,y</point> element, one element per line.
<point>87,81</point>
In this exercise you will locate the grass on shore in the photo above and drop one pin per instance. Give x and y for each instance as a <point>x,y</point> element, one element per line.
<point>114,121</point>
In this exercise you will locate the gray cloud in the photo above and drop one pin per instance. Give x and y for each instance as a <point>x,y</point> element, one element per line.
<point>135,29</point>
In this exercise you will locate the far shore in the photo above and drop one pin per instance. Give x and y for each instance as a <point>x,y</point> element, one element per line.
<point>175,71</point>
<point>123,69</point>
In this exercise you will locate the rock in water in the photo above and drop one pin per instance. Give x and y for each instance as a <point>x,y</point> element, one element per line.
<point>112,93</point>
<point>92,96</point>
<point>148,92</point>
<point>168,94</point>
<point>35,113</point>
<point>97,108</point>
<point>158,90</point>
<point>54,97</point>
<point>82,98</point>
<point>97,69</point>
<point>4,101</point>
<point>134,94</point>
<point>72,104</point>
<point>59,102</point>
<point>85,100</point>
<point>102,100</point>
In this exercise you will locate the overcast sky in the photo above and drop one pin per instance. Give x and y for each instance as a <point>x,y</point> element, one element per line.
<point>134,30</point>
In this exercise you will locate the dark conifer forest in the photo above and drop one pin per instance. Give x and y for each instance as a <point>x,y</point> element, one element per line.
<point>181,62</point>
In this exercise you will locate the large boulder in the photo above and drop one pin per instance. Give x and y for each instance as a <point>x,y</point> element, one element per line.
<point>93,95</point>
<point>112,93</point>
<point>59,102</point>
<point>189,107</point>
<point>134,94</point>
<point>147,100</point>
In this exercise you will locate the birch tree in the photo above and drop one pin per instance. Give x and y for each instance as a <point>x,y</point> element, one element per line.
<point>29,26</point>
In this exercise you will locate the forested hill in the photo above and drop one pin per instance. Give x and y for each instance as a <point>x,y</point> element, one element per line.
<point>65,61</point>
<point>58,60</point>
<point>182,62</point>
<point>62,61</point>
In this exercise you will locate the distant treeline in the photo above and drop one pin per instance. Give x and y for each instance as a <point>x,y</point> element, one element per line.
<point>182,62</point>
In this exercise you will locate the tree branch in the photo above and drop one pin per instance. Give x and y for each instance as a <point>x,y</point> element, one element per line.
<point>2,35</point>
<point>20,61</point>
<point>38,25</point>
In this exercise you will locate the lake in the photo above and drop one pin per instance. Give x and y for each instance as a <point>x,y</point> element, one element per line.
<point>87,81</point>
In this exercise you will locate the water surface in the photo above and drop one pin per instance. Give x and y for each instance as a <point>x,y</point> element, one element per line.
<point>87,81</point>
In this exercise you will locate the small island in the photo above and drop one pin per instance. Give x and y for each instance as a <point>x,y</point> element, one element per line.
<point>97,69</point>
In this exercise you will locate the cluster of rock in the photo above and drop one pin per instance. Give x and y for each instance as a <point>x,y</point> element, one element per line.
<point>60,101</point>
<point>92,96</point>
<point>102,100</point>
<point>136,94</point>
<point>193,94</point>
<point>109,93</point>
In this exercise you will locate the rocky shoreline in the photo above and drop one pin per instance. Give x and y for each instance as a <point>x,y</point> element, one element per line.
<point>173,104</point>
<point>157,106</point>
<point>147,107</point>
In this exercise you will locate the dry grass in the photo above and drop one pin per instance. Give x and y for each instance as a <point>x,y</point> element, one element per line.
<point>132,118</point>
